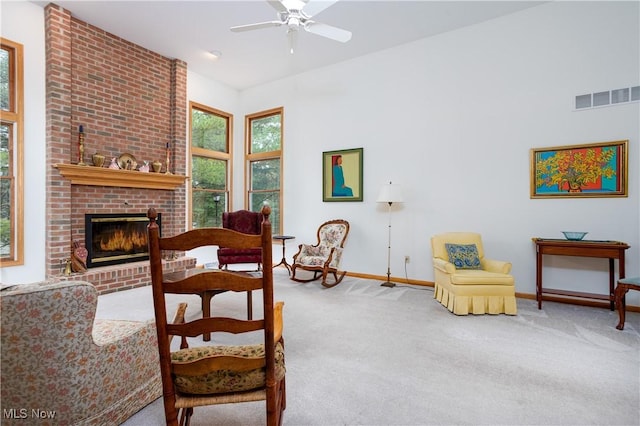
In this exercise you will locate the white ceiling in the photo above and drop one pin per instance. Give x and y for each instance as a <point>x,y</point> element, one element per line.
<point>188,30</point>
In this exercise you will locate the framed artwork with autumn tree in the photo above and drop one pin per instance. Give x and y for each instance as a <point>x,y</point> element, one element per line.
<point>590,170</point>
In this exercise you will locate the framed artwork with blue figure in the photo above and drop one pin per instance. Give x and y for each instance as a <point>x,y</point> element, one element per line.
<point>342,175</point>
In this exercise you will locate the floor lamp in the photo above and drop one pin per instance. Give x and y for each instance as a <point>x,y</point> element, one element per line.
<point>389,194</point>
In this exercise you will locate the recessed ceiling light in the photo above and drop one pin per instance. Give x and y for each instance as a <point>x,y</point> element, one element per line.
<point>215,54</point>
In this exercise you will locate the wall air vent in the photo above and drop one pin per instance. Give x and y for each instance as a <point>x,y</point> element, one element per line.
<point>610,97</point>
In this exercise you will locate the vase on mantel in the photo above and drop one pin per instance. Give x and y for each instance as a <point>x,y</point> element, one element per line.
<point>98,159</point>
<point>156,166</point>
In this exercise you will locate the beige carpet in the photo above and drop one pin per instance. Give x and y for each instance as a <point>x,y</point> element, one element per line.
<point>361,354</point>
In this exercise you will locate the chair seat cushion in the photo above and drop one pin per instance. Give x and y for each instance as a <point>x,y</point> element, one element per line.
<point>224,381</point>
<point>480,277</point>
<point>226,251</point>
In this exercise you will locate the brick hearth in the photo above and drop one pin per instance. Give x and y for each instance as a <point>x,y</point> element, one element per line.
<point>108,279</point>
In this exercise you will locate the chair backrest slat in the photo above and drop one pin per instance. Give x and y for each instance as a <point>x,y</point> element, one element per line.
<point>214,324</point>
<point>204,279</point>
<point>203,237</point>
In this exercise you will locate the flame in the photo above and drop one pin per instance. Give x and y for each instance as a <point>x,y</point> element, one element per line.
<point>124,241</point>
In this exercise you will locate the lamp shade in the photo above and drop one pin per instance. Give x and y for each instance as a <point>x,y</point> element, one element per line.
<point>390,193</point>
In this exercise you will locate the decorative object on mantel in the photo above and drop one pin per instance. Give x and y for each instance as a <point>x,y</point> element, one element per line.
<point>127,161</point>
<point>574,236</point>
<point>389,194</point>
<point>156,166</point>
<point>145,167</point>
<point>168,172</point>
<point>114,164</point>
<point>78,258</point>
<point>81,146</point>
<point>98,159</point>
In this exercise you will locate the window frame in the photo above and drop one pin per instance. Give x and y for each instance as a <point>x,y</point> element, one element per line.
<point>14,118</point>
<point>215,155</point>
<point>261,156</point>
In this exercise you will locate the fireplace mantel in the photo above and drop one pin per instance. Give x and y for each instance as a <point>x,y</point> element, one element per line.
<point>102,176</point>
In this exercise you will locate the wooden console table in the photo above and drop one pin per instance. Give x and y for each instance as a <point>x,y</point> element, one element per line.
<point>584,248</point>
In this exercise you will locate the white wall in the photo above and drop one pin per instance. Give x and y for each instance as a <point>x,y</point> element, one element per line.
<point>23,22</point>
<point>452,118</point>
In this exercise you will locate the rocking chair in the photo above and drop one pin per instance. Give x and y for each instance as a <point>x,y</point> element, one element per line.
<point>323,257</point>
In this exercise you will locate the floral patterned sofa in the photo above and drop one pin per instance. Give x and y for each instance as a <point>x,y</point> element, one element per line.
<point>58,361</point>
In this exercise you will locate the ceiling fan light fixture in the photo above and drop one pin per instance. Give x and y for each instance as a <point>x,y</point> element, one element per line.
<point>292,33</point>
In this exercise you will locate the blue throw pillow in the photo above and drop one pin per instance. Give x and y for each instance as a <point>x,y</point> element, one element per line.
<point>463,256</point>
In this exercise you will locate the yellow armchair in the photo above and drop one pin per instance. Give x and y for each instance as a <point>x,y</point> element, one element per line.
<point>467,282</point>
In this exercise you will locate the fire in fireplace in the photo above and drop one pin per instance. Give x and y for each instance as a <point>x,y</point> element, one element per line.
<point>112,239</point>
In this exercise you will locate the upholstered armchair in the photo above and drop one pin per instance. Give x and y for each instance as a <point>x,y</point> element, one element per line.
<point>246,222</point>
<point>468,282</point>
<point>323,257</point>
<point>56,357</point>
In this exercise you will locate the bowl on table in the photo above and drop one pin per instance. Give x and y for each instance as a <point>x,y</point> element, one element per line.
<point>574,236</point>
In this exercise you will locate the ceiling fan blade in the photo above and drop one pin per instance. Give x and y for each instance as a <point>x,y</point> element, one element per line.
<point>257,26</point>
<point>314,7</point>
<point>277,5</point>
<point>324,30</point>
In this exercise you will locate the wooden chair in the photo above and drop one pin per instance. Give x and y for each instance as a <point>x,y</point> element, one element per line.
<point>246,222</point>
<point>323,257</point>
<point>210,375</point>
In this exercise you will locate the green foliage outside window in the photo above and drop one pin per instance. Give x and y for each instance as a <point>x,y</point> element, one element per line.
<point>4,80</point>
<point>209,134</point>
<point>5,169</point>
<point>209,131</point>
<point>266,134</point>
<point>266,138</point>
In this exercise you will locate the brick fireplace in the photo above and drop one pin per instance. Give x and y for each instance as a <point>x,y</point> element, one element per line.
<point>129,100</point>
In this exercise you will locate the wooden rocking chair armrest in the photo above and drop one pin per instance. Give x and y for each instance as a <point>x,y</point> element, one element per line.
<point>179,317</point>
<point>278,323</point>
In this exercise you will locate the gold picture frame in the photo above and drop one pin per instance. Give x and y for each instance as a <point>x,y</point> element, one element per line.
<point>588,170</point>
<point>342,175</point>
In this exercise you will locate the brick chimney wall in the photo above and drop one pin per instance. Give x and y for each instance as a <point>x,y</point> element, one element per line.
<point>128,100</point>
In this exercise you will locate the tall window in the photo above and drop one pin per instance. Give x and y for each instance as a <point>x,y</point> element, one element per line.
<point>264,163</point>
<point>11,161</point>
<point>210,165</point>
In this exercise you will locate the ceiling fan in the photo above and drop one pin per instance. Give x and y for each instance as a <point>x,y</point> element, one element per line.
<point>296,14</point>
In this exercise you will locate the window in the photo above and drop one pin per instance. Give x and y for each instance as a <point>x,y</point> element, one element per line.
<point>210,165</point>
<point>11,161</point>
<point>264,163</point>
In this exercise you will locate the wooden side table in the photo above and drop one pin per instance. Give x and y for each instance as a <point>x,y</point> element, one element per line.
<point>624,285</point>
<point>584,248</point>
<point>283,238</point>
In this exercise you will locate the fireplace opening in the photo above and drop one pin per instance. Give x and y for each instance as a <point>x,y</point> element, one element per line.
<point>113,239</point>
